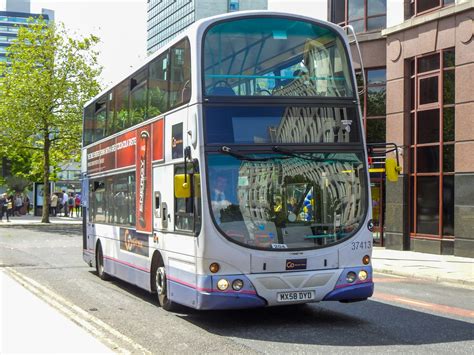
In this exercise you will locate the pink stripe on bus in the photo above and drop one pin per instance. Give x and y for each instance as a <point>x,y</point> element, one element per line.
<point>127,264</point>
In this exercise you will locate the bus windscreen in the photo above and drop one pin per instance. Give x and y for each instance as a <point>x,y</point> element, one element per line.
<point>275,56</point>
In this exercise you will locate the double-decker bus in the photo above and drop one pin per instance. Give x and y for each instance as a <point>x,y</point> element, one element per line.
<point>230,171</point>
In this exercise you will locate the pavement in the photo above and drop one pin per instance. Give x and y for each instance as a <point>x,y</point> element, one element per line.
<point>36,220</point>
<point>450,269</point>
<point>23,313</point>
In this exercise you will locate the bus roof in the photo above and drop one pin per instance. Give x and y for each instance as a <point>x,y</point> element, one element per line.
<point>199,27</point>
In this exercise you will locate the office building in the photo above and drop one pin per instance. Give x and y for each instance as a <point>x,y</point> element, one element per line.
<point>168,18</point>
<point>16,14</point>
<point>419,63</point>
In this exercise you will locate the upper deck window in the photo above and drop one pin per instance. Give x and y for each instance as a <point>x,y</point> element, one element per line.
<point>272,56</point>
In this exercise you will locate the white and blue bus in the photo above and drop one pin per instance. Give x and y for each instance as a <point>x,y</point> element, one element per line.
<point>230,170</point>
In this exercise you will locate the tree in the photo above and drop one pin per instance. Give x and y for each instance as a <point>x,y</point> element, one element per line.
<point>43,91</point>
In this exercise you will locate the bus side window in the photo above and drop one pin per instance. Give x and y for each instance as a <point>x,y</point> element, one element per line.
<point>158,91</point>
<point>180,78</point>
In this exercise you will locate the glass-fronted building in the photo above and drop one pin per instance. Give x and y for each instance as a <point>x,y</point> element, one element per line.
<point>16,14</point>
<point>168,18</point>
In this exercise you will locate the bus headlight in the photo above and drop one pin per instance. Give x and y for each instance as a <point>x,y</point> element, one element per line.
<point>222,284</point>
<point>351,277</point>
<point>363,275</point>
<point>237,285</point>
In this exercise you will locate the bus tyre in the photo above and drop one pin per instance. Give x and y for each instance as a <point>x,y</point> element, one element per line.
<point>162,289</point>
<point>99,263</point>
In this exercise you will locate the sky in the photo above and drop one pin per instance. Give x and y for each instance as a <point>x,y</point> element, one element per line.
<point>121,26</point>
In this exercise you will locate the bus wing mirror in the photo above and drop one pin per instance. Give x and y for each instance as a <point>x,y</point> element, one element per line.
<point>392,169</point>
<point>182,186</point>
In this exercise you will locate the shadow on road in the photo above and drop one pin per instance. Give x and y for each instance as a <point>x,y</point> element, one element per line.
<point>369,323</point>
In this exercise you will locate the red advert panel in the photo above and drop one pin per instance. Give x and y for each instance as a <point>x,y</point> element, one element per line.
<point>115,153</point>
<point>126,145</point>
<point>95,161</point>
<point>158,140</point>
<point>143,180</point>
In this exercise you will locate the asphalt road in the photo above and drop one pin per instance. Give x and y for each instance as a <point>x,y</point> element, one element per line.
<point>405,315</point>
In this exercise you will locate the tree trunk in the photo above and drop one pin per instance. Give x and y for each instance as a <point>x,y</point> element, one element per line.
<point>47,192</point>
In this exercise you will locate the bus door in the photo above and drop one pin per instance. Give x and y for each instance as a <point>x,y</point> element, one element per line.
<point>87,239</point>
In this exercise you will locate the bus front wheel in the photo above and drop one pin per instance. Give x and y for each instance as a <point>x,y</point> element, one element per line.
<point>162,289</point>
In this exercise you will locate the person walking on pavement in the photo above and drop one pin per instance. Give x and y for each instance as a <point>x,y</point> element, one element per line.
<point>18,204</point>
<point>54,204</point>
<point>64,203</point>
<point>10,206</point>
<point>4,207</point>
<point>27,204</point>
<point>70,205</point>
<point>77,203</point>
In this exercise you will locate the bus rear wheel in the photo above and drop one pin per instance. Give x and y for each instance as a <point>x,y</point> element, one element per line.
<point>162,289</point>
<point>99,263</point>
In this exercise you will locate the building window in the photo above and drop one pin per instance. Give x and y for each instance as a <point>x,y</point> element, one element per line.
<point>233,5</point>
<point>432,124</point>
<point>363,15</point>
<point>418,7</point>
<point>372,101</point>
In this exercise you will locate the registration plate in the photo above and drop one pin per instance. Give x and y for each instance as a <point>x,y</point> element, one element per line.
<point>295,296</point>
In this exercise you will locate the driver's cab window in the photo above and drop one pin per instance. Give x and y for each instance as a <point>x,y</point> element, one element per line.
<point>188,210</point>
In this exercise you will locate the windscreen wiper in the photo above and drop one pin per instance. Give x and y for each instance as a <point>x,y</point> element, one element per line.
<point>291,153</point>
<point>226,150</point>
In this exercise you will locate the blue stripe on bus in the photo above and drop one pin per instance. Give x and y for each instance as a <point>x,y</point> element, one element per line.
<point>355,292</point>
<point>359,290</point>
<point>220,300</point>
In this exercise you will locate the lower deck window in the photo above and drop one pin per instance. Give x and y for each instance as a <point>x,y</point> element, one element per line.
<point>112,200</point>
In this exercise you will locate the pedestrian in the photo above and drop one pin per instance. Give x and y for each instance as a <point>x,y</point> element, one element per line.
<point>4,207</point>
<point>54,204</point>
<point>64,203</point>
<point>18,204</point>
<point>70,205</point>
<point>27,204</point>
<point>10,206</point>
<point>77,203</point>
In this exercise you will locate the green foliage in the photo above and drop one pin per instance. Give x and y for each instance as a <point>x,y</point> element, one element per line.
<point>16,184</point>
<point>42,94</point>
